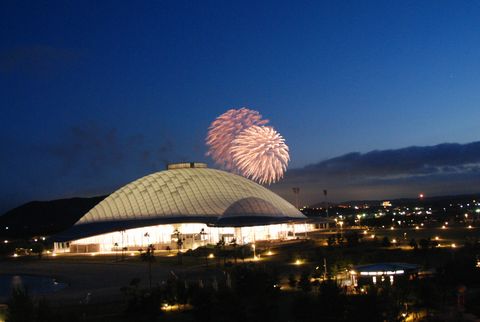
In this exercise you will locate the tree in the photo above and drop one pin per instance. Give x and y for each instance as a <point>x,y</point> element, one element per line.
<point>353,239</point>
<point>413,243</point>
<point>20,307</point>
<point>304,282</point>
<point>37,248</point>
<point>149,257</point>
<point>331,241</point>
<point>340,239</point>
<point>220,250</point>
<point>234,244</point>
<point>292,282</point>
<point>44,311</point>
<point>178,236</point>
<point>386,242</point>
<point>424,243</point>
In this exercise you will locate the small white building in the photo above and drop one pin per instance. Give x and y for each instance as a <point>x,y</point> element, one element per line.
<point>381,272</point>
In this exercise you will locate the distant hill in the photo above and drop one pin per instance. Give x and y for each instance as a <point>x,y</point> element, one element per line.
<point>39,218</point>
<point>43,218</point>
<point>434,200</point>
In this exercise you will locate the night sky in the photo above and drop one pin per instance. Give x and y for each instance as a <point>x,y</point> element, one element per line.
<point>96,94</point>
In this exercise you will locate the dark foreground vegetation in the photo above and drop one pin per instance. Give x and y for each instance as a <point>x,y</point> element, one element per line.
<point>228,288</point>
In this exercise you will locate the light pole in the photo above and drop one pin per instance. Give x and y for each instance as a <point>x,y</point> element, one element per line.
<point>296,192</point>
<point>326,203</point>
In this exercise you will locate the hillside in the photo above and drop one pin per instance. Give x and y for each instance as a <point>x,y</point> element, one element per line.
<point>38,218</point>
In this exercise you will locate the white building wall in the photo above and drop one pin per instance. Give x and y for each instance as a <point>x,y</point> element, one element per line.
<point>192,234</point>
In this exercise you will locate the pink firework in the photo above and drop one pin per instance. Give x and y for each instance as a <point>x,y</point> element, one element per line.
<point>225,129</point>
<point>260,153</point>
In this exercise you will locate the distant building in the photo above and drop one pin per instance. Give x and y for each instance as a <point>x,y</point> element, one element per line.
<point>386,204</point>
<point>186,202</point>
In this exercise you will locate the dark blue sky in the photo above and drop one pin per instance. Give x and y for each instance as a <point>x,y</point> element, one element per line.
<point>95,94</point>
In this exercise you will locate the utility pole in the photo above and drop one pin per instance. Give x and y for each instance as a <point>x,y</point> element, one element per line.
<point>326,203</point>
<point>296,192</point>
<point>324,268</point>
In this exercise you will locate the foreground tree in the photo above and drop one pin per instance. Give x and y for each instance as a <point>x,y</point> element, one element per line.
<point>149,257</point>
<point>20,307</point>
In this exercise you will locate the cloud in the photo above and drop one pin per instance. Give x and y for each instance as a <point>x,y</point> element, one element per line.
<point>441,169</point>
<point>83,160</point>
<point>92,150</point>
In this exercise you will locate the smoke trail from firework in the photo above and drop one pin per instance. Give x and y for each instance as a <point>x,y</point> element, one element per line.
<point>225,129</point>
<point>260,153</point>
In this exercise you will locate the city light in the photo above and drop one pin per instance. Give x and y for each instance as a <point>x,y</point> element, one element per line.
<point>211,255</point>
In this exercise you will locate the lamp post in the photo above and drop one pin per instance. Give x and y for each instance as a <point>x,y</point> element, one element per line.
<point>326,202</point>
<point>296,192</point>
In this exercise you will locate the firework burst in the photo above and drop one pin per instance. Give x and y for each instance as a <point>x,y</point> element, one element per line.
<point>225,129</point>
<point>260,153</point>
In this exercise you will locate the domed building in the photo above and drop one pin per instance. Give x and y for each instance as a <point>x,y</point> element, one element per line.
<point>190,202</point>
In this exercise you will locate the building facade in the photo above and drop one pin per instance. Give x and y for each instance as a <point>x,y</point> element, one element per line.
<point>187,202</point>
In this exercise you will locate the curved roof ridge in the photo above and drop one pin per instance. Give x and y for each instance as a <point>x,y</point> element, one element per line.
<point>188,193</point>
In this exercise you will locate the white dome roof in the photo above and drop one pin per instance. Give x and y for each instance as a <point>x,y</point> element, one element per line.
<point>188,194</point>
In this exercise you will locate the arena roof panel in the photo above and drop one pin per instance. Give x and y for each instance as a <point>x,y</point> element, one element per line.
<point>189,193</point>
